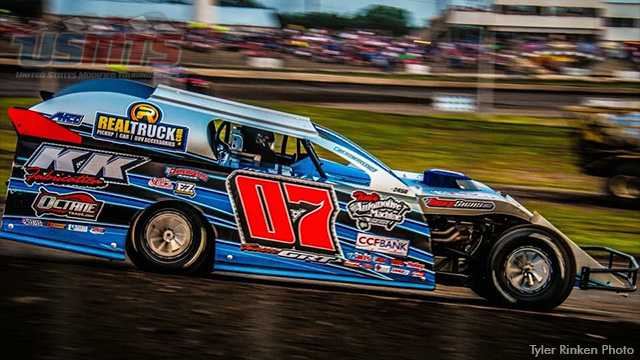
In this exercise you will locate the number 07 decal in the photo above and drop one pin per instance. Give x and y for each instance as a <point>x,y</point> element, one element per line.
<point>284,213</point>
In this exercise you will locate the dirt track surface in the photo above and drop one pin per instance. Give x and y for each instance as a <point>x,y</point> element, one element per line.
<point>55,305</point>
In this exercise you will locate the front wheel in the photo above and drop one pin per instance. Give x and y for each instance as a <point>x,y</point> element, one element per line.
<point>169,240</point>
<point>530,268</point>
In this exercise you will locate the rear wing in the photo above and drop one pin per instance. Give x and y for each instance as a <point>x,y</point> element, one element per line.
<point>30,123</point>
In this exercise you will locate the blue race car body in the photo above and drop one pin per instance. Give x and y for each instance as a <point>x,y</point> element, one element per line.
<point>181,182</point>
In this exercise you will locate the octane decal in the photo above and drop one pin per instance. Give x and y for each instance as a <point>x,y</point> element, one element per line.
<point>141,126</point>
<point>76,205</point>
<point>186,174</point>
<point>285,214</point>
<point>72,166</point>
<point>382,244</point>
<point>369,209</point>
<point>458,204</point>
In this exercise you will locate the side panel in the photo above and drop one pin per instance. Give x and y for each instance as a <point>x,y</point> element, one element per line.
<point>83,198</point>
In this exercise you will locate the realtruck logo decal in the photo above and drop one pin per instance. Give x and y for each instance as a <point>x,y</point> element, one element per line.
<point>76,205</point>
<point>369,209</point>
<point>85,44</point>
<point>74,166</point>
<point>141,126</point>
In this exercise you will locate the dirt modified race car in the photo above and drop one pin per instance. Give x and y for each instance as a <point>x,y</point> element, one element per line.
<point>182,182</point>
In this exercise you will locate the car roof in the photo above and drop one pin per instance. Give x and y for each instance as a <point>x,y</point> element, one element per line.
<point>277,121</point>
<point>215,108</point>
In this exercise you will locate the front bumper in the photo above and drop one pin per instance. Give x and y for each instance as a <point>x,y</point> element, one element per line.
<point>592,275</point>
<point>628,275</point>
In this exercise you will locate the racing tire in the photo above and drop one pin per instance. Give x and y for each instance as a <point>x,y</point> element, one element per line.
<point>170,240</point>
<point>529,268</point>
<point>624,183</point>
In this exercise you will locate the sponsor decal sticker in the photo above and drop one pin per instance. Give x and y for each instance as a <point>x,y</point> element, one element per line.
<point>354,158</point>
<point>142,126</point>
<point>382,268</point>
<point>379,260</point>
<point>78,228</point>
<point>351,263</point>
<point>186,174</point>
<point>97,230</point>
<point>289,254</point>
<point>415,265</point>
<point>322,259</point>
<point>257,248</point>
<point>32,222</point>
<point>359,257</point>
<point>161,183</point>
<point>395,262</point>
<point>458,204</point>
<point>366,266</point>
<point>55,225</point>
<point>382,244</point>
<point>419,274</point>
<point>78,167</point>
<point>399,271</point>
<point>185,188</point>
<point>67,118</point>
<point>369,209</point>
<point>76,205</point>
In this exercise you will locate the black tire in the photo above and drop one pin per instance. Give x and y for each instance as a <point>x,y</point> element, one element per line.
<point>189,258</point>
<point>541,287</point>
<point>624,183</point>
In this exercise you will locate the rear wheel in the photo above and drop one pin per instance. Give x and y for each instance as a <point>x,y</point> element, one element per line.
<point>530,268</point>
<point>169,240</point>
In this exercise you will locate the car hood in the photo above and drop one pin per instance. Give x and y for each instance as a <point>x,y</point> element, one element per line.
<point>476,199</point>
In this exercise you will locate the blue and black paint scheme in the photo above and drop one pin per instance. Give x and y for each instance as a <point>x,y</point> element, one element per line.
<point>124,201</point>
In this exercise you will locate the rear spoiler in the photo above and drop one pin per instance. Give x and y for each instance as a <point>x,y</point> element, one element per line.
<point>30,123</point>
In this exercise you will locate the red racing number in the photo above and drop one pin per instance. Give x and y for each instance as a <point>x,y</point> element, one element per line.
<point>283,213</point>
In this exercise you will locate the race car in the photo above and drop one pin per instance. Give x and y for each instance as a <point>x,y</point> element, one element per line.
<point>184,183</point>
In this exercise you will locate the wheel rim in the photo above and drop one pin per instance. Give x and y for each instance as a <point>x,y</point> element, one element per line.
<point>528,270</point>
<point>168,235</point>
<point>625,186</point>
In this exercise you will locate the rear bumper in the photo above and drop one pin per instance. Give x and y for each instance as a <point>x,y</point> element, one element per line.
<point>627,276</point>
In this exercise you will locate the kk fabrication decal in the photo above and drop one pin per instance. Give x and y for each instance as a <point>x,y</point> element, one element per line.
<point>75,205</point>
<point>369,209</point>
<point>141,126</point>
<point>73,166</point>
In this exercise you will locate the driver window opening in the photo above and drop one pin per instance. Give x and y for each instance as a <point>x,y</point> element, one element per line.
<point>242,146</point>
